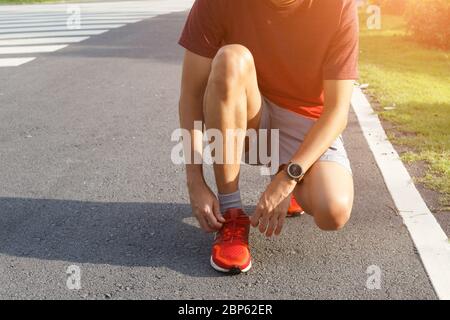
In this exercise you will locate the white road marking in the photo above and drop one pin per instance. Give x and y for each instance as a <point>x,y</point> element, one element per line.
<point>14,62</point>
<point>59,28</point>
<point>63,22</point>
<point>430,240</point>
<point>34,41</point>
<point>83,18</point>
<point>31,49</point>
<point>63,13</point>
<point>38,28</point>
<point>51,34</point>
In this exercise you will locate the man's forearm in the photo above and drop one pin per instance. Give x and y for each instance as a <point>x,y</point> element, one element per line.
<point>321,136</point>
<point>190,112</point>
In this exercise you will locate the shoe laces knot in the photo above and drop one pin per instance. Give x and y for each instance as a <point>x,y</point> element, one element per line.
<point>235,228</point>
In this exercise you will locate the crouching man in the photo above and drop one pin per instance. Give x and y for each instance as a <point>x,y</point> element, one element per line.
<point>270,64</point>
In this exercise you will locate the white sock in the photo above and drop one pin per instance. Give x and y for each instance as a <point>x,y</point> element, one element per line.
<point>229,201</point>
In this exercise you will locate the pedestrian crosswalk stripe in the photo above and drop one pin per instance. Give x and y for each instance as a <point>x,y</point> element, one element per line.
<point>64,23</point>
<point>44,28</point>
<point>64,12</point>
<point>34,41</point>
<point>59,28</point>
<point>83,17</point>
<point>9,17</point>
<point>14,62</point>
<point>31,49</point>
<point>51,34</point>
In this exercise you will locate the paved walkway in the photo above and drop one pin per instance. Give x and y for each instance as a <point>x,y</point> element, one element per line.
<point>87,181</point>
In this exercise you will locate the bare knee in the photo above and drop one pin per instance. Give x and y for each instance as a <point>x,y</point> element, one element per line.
<point>229,70</point>
<point>333,215</point>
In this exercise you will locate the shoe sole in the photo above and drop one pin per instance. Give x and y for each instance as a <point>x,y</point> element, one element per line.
<point>234,270</point>
<point>296,214</point>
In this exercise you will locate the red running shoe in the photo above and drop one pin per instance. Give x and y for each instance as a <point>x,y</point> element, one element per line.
<point>294,208</point>
<point>230,252</point>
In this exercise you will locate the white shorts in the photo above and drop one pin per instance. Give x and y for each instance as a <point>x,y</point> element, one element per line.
<point>293,128</point>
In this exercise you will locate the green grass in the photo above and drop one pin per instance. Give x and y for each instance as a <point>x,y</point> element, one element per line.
<point>415,81</point>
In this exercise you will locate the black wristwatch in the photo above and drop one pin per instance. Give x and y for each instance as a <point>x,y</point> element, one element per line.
<point>295,171</point>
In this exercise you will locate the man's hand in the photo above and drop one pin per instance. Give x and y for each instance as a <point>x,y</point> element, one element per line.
<point>272,207</point>
<point>205,207</point>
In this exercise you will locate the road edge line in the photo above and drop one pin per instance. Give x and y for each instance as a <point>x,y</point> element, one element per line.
<point>430,240</point>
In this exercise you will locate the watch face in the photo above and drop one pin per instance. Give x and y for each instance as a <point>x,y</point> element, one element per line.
<point>295,171</point>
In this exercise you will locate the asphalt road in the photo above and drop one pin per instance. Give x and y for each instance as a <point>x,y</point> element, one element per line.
<point>86,179</point>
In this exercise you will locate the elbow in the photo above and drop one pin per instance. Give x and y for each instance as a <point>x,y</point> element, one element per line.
<point>337,115</point>
<point>343,117</point>
<point>180,106</point>
<point>339,119</point>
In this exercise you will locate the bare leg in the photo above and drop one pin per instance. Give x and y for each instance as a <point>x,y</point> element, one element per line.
<point>326,193</point>
<point>232,101</point>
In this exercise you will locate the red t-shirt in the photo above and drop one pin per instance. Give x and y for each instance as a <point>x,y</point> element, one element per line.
<point>295,47</point>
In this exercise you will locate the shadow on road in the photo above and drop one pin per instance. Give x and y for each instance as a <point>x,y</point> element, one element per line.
<point>119,234</point>
<point>151,39</point>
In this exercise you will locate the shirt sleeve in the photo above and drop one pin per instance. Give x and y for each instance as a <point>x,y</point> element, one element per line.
<point>341,62</point>
<point>203,32</point>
